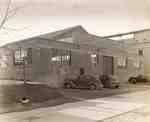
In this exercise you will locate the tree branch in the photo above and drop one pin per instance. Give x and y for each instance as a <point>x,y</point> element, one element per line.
<point>13,12</point>
<point>15,29</point>
<point>6,14</point>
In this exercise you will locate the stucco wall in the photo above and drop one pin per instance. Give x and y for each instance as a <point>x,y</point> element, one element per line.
<point>145,37</point>
<point>42,69</point>
<point>124,73</point>
<point>10,71</point>
<point>147,62</point>
<point>40,64</point>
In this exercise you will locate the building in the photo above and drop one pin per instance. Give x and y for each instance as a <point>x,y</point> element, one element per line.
<point>137,41</point>
<point>53,56</point>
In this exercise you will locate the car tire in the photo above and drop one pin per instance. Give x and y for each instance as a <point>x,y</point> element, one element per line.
<point>92,87</point>
<point>117,86</point>
<point>68,85</point>
<point>133,81</point>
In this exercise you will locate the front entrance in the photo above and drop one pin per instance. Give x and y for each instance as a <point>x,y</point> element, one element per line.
<point>108,65</point>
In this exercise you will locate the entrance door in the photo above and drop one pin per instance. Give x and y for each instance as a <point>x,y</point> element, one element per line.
<point>108,65</point>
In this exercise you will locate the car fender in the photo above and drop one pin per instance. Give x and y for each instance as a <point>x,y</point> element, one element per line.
<point>71,82</point>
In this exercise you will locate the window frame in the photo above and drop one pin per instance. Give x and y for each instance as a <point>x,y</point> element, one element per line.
<point>61,58</point>
<point>124,62</point>
<point>21,59</point>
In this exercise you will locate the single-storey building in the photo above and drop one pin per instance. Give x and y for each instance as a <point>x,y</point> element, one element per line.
<point>53,56</point>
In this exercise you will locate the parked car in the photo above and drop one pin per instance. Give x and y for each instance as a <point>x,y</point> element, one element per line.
<point>109,81</point>
<point>138,78</point>
<point>83,81</point>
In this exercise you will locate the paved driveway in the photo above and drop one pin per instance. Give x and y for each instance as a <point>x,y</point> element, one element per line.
<point>127,104</point>
<point>82,94</point>
<point>83,111</point>
<point>115,108</point>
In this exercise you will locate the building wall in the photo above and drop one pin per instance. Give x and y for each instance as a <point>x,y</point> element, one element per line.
<point>7,68</point>
<point>42,69</point>
<point>145,37</point>
<point>124,73</point>
<point>147,62</point>
<point>40,64</point>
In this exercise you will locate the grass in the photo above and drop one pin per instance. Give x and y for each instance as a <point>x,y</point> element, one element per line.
<point>36,93</point>
<point>39,96</point>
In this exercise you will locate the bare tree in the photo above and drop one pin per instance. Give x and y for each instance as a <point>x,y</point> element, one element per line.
<point>8,14</point>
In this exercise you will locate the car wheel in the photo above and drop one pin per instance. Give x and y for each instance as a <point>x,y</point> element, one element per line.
<point>68,85</point>
<point>117,86</point>
<point>133,81</point>
<point>92,87</point>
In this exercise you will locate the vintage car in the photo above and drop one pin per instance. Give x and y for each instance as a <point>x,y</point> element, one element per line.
<point>83,81</point>
<point>138,78</point>
<point>109,81</point>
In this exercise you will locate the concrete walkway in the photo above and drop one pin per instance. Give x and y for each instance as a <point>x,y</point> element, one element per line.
<point>131,107</point>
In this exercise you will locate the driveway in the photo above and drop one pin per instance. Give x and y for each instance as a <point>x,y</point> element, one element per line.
<point>132,105</point>
<point>108,109</point>
<point>84,94</point>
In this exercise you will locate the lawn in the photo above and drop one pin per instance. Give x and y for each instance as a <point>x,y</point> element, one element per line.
<point>39,96</point>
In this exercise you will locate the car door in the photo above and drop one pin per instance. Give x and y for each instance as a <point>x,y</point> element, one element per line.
<point>86,80</point>
<point>76,81</point>
<point>81,81</point>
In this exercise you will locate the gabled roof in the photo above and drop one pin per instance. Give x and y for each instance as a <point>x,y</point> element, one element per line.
<point>62,33</point>
<point>52,35</point>
<point>85,40</point>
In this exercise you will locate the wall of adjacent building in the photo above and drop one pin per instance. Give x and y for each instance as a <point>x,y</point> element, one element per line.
<point>145,37</point>
<point>124,73</point>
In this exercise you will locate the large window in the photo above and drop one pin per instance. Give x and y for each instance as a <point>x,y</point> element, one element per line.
<point>122,62</point>
<point>61,59</point>
<point>61,56</point>
<point>137,63</point>
<point>22,55</point>
<point>68,40</point>
<point>94,59</point>
<point>3,61</point>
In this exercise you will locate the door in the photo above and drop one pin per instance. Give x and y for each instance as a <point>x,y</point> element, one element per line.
<point>108,65</point>
<point>80,81</point>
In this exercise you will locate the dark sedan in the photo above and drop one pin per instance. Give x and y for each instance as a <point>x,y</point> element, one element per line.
<point>109,81</point>
<point>83,81</point>
<point>139,78</point>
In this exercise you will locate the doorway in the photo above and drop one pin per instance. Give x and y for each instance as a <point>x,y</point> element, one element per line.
<point>108,67</point>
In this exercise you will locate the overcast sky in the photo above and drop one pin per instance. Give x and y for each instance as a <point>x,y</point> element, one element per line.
<point>100,17</point>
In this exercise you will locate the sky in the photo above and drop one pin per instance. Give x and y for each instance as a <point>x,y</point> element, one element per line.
<point>100,17</point>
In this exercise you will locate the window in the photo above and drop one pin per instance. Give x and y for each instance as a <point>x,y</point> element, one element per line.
<point>61,56</point>
<point>3,61</point>
<point>20,55</point>
<point>94,59</point>
<point>122,62</point>
<point>137,63</point>
<point>68,40</point>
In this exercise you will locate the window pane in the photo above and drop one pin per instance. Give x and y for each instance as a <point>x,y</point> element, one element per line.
<point>60,56</point>
<point>21,54</point>
<point>122,61</point>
